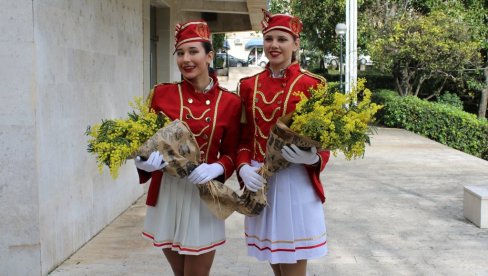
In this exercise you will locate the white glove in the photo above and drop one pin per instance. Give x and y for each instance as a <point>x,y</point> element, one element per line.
<point>295,155</point>
<point>205,172</point>
<point>155,162</point>
<point>252,180</point>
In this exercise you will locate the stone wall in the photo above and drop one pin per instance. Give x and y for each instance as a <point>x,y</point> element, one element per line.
<point>64,65</point>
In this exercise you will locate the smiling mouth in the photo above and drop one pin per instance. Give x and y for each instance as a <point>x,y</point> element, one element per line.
<point>274,54</point>
<point>188,68</point>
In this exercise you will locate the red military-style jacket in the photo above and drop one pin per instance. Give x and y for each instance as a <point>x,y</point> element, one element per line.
<point>213,117</point>
<point>265,99</point>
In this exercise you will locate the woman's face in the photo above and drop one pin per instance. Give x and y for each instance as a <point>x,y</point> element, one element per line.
<point>192,60</point>
<point>279,47</point>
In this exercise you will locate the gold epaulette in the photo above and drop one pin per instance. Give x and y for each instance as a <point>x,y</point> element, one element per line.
<point>315,76</point>
<point>151,94</point>
<point>166,83</point>
<point>251,76</point>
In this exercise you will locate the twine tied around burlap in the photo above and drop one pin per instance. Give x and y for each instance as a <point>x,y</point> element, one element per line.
<point>280,135</point>
<point>180,150</point>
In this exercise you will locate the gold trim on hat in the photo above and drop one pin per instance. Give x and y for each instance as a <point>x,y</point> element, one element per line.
<point>190,40</point>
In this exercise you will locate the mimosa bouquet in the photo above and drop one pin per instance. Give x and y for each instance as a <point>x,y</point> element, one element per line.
<point>328,120</point>
<point>338,122</point>
<point>115,140</point>
<point>144,131</point>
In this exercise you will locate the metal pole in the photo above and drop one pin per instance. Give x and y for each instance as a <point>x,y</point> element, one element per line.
<point>351,62</point>
<point>341,86</point>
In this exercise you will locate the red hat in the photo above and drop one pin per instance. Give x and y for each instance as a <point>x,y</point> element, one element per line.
<point>191,32</point>
<point>284,22</point>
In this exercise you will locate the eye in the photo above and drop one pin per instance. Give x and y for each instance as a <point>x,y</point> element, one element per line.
<point>269,39</point>
<point>179,54</point>
<point>194,52</point>
<point>282,39</point>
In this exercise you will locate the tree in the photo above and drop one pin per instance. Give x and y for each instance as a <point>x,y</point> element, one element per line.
<point>375,15</point>
<point>419,47</point>
<point>319,18</point>
<point>280,6</point>
<point>218,41</point>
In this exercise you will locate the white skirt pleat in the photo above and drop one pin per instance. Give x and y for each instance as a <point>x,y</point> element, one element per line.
<point>181,221</point>
<point>292,226</point>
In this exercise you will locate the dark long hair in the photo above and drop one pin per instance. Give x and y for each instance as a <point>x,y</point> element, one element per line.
<point>207,46</point>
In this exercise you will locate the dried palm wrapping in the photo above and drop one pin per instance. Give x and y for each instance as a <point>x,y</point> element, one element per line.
<point>180,150</point>
<point>279,136</point>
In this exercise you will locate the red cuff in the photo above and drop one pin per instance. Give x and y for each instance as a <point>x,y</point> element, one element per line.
<point>243,157</point>
<point>314,173</point>
<point>228,164</point>
<point>143,176</point>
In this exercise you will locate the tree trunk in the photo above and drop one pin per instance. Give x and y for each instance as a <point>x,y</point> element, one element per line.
<point>484,97</point>
<point>419,84</point>
<point>405,81</point>
<point>397,76</point>
<point>438,90</point>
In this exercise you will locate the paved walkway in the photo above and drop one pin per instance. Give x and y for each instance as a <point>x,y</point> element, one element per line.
<point>398,211</point>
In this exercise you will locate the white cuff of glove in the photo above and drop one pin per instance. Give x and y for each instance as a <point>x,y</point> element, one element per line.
<point>293,154</point>
<point>205,172</point>
<point>252,180</point>
<point>155,162</point>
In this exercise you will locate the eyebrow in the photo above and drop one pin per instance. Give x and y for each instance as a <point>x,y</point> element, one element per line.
<point>191,48</point>
<point>279,36</point>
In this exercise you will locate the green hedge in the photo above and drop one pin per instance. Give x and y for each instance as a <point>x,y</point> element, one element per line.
<point>374,79</point>
<point>440,122</point>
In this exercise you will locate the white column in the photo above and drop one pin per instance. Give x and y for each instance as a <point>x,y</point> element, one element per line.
<point>351,44</point>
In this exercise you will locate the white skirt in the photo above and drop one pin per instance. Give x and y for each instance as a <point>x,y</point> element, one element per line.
<point>292,226</point>
<point>181,221</point>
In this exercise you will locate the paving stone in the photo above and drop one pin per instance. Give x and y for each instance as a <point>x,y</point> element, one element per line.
<point>398,211</point>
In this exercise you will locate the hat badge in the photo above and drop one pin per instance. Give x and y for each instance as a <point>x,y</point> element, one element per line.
<point>295,25</point>
<point>201,31</point>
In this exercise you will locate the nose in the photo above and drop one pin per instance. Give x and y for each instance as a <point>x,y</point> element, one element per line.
<point>186,57</point>
<point>274,44</point>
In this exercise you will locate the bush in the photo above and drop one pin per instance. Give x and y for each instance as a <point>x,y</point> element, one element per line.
<point>374,79</point>
<point>450,99</point>
<point>440,122</point>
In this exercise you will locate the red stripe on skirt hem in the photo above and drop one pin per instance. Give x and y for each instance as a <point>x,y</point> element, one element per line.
<point>286,249</point>
<point>170,244</point>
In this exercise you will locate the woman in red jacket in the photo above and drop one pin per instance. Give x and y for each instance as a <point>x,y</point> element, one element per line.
<point>177,220</point>
<point>291,228</point>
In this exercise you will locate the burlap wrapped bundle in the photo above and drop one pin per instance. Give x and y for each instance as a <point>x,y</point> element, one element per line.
<point>180,150</point>
<point>279,136</point>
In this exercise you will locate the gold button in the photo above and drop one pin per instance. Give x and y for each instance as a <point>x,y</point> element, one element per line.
<point>208,119</point>
<point>207,102</point>
<point>190,100</point>
<point>256,100</point>
<point>202,152</point>
<point>205,136</point>
<point>279,102</point>
<point>283,84</point>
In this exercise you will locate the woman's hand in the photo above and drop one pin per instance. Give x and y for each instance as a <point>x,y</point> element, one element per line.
<point>155,162</point>
<point>295,155</point>
<point>205,172</point>
<point>252,180</point>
